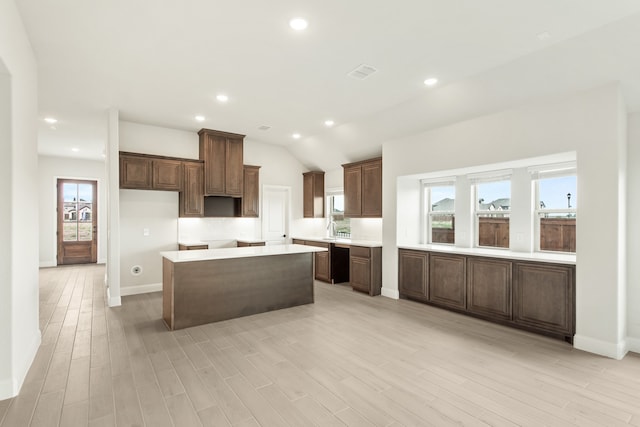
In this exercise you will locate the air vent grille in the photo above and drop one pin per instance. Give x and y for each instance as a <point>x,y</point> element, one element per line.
<point>264,127</point>
<point>362,71</point>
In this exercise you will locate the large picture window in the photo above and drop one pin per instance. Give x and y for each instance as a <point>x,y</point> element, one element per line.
<point>555,210</point>
<point>440,207</point>
<point>492,211</point>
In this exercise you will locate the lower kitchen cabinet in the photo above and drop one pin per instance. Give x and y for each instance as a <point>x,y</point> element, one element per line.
<point>365,269</point>
<point>544,296</point>
<point>447,281</point>
<point>322,261</point>
<point>413,273</point>
<point>532,295</point>
<point>489,287</point>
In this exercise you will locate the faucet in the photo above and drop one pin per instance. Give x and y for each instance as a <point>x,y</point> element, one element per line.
<point>331,226</point>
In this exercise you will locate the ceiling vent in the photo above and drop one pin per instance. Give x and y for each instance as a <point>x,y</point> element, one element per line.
<point>362,71</point>
<point>264,127</point>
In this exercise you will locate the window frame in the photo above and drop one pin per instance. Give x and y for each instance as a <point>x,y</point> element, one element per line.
<point>428,213</point>
<point>330,212</point>
<point>539,173</point>
<point>484,178</point>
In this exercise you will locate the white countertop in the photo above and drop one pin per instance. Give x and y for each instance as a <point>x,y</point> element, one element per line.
<point>558,258</point>
<point>245,252</point>
<point>365,243</point>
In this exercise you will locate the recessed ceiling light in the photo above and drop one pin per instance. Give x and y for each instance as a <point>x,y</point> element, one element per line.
<point>222,97</point>
<point>50,120</point>
<point>75,149</point>
<point>329,123</point>
<point>296,136</point>
<point>298,24</point>
<point>432,81</point>
<point>199,118</point>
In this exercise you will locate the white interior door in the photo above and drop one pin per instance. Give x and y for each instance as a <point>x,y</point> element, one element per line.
<point>275,212</point>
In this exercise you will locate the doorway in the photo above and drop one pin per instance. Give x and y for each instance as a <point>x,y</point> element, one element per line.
<point>77,222</point>
<point>276,201</point>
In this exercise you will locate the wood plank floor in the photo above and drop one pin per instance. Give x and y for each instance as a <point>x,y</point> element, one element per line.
<point>348,359</point>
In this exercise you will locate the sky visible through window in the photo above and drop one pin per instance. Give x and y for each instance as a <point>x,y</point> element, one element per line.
<point>553,192</point>
<point>71,191</point>
<point>491,191</point>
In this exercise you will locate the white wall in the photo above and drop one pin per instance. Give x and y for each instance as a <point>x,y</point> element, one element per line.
<point>589,124</point>
<point>633,233</point>
<point>19,330</point>
<point>49,170</point>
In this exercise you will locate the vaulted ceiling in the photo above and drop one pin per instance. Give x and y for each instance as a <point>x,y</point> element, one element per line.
<point>164,62</point>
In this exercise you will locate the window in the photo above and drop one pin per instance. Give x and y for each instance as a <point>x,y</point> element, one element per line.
<point>492,211</point>
<point>335,206</point>
<point>440,207</point>
<point>555,211</point>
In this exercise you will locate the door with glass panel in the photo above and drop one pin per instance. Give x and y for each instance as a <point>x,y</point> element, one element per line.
<point>77,222</point>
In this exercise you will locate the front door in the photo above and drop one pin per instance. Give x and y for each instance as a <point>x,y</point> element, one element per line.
<point>77,222</point>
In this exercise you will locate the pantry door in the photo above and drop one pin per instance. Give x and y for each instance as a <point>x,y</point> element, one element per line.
<point>77,222</point>
<point>275,211</point>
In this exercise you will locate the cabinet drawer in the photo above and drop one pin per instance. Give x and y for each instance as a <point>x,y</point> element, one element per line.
<point>361,252</point>
<point>297,242</point>
<point>317,244</point>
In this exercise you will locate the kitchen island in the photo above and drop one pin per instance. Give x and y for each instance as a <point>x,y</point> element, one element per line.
<point>210,285</point>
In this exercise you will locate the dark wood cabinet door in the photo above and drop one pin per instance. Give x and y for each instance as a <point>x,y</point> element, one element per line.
<point>353,191</point>
<point>135,172</point>
<point>191,199</point>
<point>447,280</point>
<point>251,193</point>
<point>360,273</point>
<point>313,194</point>
<point>213,151</point>
<point>544,296</point>
<point>323,266</point>
<point>372,189</point>
<point>167,175</point>
<point>234,175</point>
<point>489,287</point>
<point>412,274</point>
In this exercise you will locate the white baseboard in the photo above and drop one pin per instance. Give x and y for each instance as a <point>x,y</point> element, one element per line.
<point>44,264</point>
<point>633,344</point>
<point>390,293</point>
<point>140,289</point>
<point>10,387</point>
<point>603,348</point>
<point>113,301</point>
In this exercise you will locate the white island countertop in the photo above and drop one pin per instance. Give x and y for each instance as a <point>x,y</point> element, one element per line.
<point>245,252</point>
<point>365,243</point>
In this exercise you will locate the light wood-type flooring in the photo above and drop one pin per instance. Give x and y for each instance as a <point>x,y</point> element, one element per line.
<point>348,359</point>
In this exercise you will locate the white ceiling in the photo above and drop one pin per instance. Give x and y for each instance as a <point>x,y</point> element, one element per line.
<point>163,62</point>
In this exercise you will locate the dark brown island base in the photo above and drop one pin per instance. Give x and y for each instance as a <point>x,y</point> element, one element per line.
<point>204,286</point>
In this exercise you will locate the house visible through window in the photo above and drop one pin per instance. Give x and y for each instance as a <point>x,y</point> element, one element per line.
<point>493,208</point>
<point>440,207</point>
<point>556,203</point>
<point>338,224</point>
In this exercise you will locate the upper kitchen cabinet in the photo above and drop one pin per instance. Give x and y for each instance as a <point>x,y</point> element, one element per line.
<point>251,193</point>
<point>363,189</point>
<point>222,153</point>
<point>147,172</point>
<point>191,199</point>
<point>313,194</point>
<point>135,172</point>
